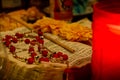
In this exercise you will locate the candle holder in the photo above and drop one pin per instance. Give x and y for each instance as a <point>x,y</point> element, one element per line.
<point>106,41</point>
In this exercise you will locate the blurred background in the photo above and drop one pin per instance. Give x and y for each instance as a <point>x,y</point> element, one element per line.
<point>80,8</point>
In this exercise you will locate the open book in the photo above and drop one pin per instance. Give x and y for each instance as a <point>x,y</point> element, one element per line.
<point>82,52</point>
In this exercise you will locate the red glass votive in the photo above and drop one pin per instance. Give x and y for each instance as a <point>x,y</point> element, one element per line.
<point>106,41</point>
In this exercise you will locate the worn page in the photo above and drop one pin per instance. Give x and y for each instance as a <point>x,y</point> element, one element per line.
<point>82,51</point>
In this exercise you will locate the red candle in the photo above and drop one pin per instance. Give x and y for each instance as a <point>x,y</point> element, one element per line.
<point>106,41</point>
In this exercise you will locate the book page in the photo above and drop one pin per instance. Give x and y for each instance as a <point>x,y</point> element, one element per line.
<point>81,50</point>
